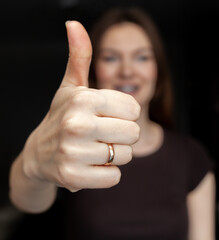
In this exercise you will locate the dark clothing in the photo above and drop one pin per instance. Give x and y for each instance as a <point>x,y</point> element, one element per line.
<point>150,200</point>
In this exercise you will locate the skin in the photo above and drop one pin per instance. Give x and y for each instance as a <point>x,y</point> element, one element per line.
<point>68,148</point>
<point>126,59</point>
<point>126,62</point>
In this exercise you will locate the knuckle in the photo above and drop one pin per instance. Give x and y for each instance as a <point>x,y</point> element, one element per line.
<point>83,127</point>
<point>68,153</point>
<point>63,174</point>
<point>78,125</point>
<point>129,153</point>
<point>135,131</point>
<point>117,177</point>
<point>126,155</point>
<point>81,98</point>
<point>138,111</point>
<point>112,179</point>
<point>78,97</point>
<point>135,109</point>
<point>62,149</point>
<point>68,176</point>
<point>104,96</point>
<point>65,124</point>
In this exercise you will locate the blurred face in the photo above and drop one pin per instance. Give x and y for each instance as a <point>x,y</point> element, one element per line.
<point>126,62</point>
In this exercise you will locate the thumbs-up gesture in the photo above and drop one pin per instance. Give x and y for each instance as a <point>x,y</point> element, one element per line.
<point>70,146</point>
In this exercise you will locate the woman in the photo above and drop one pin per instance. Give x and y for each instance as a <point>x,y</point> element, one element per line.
<point>166,191</point>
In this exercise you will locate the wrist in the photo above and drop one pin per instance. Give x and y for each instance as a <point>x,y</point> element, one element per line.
<point>29,194</point>
<point>29,162</point>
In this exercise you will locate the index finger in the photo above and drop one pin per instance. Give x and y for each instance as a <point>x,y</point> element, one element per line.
<point>118,105</point>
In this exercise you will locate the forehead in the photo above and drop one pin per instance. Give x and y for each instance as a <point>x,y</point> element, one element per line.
<point>125,36</point>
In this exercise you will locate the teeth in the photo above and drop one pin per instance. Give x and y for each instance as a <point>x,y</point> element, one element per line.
<point>127,88</point>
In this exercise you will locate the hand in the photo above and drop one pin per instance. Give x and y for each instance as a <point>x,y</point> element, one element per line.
<point>69,148</point>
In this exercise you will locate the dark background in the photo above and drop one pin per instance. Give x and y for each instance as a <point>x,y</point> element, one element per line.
<point>33,56</point>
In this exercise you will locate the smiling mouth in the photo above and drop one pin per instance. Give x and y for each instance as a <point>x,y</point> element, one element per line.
<point>129,89</point>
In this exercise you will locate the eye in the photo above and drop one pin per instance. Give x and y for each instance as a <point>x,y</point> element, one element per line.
<point>109,58</point>
<point>142,58</point>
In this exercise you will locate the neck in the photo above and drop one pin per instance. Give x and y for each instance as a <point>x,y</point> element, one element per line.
<point>144,122</point>
<point>151,135</point>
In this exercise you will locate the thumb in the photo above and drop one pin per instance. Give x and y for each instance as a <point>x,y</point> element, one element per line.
<point>80,52</point>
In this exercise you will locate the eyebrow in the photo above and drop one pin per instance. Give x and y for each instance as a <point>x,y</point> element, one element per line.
<point>138,50</point>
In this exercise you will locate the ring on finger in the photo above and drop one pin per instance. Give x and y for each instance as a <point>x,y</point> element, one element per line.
<point>111,154</point>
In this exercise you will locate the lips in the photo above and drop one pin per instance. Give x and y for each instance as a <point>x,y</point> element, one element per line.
<point>130,89</point>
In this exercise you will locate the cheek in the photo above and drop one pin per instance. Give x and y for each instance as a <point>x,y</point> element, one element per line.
<point>105,75</point>
<point>150,73</point>
<point>149,76</point>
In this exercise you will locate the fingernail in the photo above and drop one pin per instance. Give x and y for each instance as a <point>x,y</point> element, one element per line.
<point>67,22</point>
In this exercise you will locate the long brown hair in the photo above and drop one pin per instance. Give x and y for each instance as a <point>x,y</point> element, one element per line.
<point>161,109</point>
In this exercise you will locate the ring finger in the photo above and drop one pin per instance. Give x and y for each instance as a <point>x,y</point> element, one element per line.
<point>98,153</point>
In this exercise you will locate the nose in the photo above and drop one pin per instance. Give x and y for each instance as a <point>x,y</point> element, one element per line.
<point>126,69</point>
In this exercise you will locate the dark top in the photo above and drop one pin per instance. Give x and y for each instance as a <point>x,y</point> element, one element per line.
<point>148,203</point>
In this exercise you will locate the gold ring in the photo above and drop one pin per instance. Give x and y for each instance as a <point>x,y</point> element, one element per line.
<point>111,154</point>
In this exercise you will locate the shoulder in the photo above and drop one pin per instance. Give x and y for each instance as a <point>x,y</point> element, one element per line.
<point>194,155</point>
<point>187,150</point>
<point>184,142</point>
